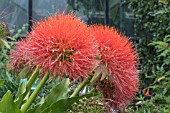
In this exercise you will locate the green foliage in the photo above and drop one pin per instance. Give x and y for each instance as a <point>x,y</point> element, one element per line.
<point>10,82</point>
<point>4,32</point>
<point>7,104</point>
<point>4,35</point>
<point>63,105</point>
<point>6,42</point>
<point>163,49</point>
<point>20,93</point>
<point>153,28</point>
<point>17,33</point>
<point>89,105</point>
<point>58,92</point>
<point>56,101</point>
<point>150,21</point>
<point>1,82</point>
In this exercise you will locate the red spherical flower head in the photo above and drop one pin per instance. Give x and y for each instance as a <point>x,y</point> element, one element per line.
<point>62,45</point>
<point>118,61</point>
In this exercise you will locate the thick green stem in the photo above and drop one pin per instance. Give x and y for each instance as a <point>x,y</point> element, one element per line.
<point>25,107</point>
<point>31,81</point>
<point>81,86</point>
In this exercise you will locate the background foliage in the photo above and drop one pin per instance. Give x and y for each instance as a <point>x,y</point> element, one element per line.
<point>153,27</point>
<point>7,42</point>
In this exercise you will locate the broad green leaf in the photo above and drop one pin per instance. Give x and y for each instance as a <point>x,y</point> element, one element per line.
<point>32,110</point>
<point>1,82</point>
<point>7,104</point>
<point>60,91</point>
<point>63,105</point>
<point>46,110</point>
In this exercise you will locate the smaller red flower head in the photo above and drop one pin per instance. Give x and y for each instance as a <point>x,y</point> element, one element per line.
<point>118,61</point>
<point>62,45</point>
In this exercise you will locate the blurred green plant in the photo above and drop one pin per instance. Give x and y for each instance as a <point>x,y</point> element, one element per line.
<point>6,43</point>
<point>4,35</point>
<point>9,82</point>
<point>153,28</point>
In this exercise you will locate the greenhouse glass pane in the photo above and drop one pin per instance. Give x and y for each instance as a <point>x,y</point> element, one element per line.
<point>14,12</point>
<point>121,17</point>
<point>43,8</point>
<point>91,11</point>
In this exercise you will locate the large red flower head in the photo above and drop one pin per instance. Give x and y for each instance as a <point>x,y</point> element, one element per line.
<point>62,45</point>
<point>118,62</point>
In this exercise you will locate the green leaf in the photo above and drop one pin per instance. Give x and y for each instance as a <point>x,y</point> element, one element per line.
<point>21,89</point>
<point>150,77</point>
<point>165,53</point>
<point>167,38</point>
<point>63,105</point>
<point>164,1</point>
<point>20,93</point>
<point>60,91</point>
<point>32,110</point>
<point>9,37</point>
<point>1,82</point>
<point>154,86</point>
<point>4,43</point>
<point>47,110</point>
<point>166,90</point>
<point>7,104</point>
<point>24,73</point>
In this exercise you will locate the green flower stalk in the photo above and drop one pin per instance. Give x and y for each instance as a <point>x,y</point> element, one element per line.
<point>31,81</point>
<point>81,86</point>
<point>28,103</point>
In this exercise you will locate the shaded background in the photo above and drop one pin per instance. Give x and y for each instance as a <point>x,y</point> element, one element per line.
<point>109,12</point>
